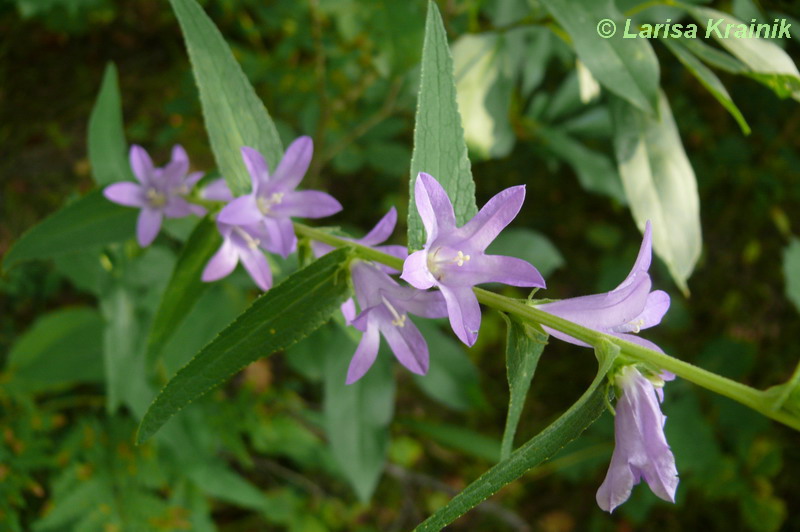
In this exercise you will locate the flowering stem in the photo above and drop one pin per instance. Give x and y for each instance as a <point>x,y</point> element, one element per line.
<point>758,400</point>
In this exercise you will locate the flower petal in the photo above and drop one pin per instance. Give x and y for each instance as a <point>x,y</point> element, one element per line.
<point>464,312</point>
<point>498,212</point>
<point>498,269</point>
<point>192,179</point>
<point>294,164</point>
<point>657,305</point>
<point>348,309</point>
<point>241,211</point>
<point>429,304</point>
<point>434,206</point>
<point>644,257</point>
<point>257,167</point>
<point>365,354</point>
<point>177,207</point>
<point>382,230</point>
<point>407,343</point>
<point>141,164</point>
<point>306,204</point>
<point>222,263</point>
<point>126,193</point>
<point>176,169</point>
<point>415,271</point>
<point>148,225</point>
<point>217,190</point>
<point>256,265</point>
<point>282,239</point>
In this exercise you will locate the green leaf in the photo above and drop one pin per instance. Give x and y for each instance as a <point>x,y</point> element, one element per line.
<point>234,114</point>
<point>791,271</point>
<point>60,348</point>
<point>457,437</point>
<point>439,147</point>
<point>484,93</point>
<point>278,319</point>
<point>626,67</point>
<point>185,286</point>
<point>524,347</point>
<point>715,57</point>
<point>709,80</point>
<point>660,184</point>
<point>122,354</point>
<point>217,480</point>
<point>357,416</point>
<point>82,224</point>
<point>766,62</point>
<point>595,171</point>
<point>538,449</point>
<point>528,245</point>
<point>107,145</point>
<point>452,378</point>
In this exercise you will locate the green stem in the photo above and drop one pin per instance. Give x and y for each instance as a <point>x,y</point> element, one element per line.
<point>758,400</point>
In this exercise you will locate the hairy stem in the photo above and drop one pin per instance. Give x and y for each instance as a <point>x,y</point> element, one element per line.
<point>756,399</point>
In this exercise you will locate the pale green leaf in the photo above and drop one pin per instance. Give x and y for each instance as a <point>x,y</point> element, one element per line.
<point>528,245</point>
<point>791,271</point>
<point>357,416</point>
<point>524,347</point>
<point>234,114</point>
<point>288,312</point>
<point>439,146</point>
<point>626,67</point>
<point>660,184</point>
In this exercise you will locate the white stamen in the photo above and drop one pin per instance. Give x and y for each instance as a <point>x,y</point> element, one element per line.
<point>265,204</point>
<point>399,320</point>
<point>252,243</point>
<point>636,326</point>
<point>156,198</point>
<point>460,259</point>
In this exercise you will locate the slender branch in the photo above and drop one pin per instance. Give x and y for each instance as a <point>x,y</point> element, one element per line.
<point>758,400</point>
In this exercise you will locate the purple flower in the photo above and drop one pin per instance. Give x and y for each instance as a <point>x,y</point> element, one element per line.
<point>217,190</point>
<point>160,191</point>
<point>384,310</point>
<point>274,200</point>
<point>641,449</point>
<point>453,258</point>
<point>628,308</point>
<point>241,243</point>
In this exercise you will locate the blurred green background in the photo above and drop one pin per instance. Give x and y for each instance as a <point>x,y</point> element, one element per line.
<point>346,73</point>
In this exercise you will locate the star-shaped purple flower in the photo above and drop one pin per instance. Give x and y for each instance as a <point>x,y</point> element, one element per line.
<point>641,449</point>
<point>241,243</point>
<point>160,192</point>
<point>274,200</point>
<point>628,308</point>
<point>453,258</point>
<point>385,306</point>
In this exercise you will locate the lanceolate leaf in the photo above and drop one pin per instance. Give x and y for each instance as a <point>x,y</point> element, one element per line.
<point>107,145</point>
<point>660,184</point>
<point>524,347</point>
<point>626,67</point>
<point>281,317</point>
<point>709,80</point>
<point>538,449</point>
<point>791,271</point>
<point>767,62</point>
<point>87,222</point>
<point>234,114</point>
<point>185,286</point>
<point>357,416</point>
<point>439,147</point>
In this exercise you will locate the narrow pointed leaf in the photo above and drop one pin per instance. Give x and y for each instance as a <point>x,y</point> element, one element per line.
<point>660,184</point>
<point>766,61</point>
<point>185,286</point>
<point>439,146</point>
<point>278,319</point>
<point>709,80</point>
<point>626,67</point>
<point>234,114</point>
<point>524,347</point>
<point>457,437</point>
<point>107,145</point>
<point>357,416</point>
<point>538,449</point>
<point>82,224</point>
<point>791,271</point>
